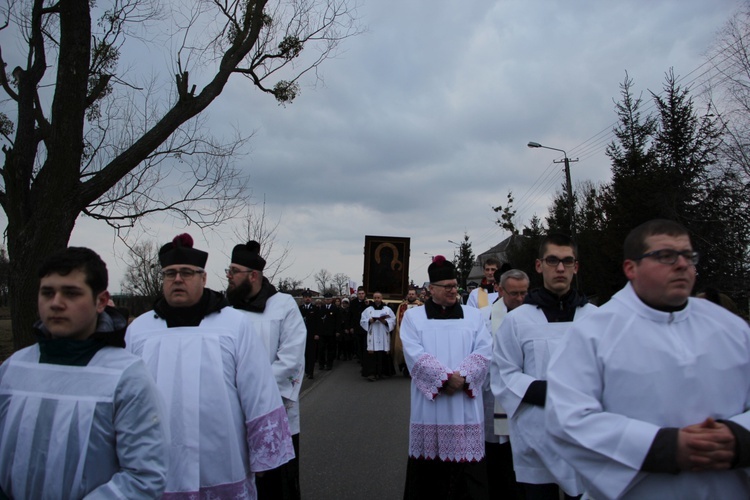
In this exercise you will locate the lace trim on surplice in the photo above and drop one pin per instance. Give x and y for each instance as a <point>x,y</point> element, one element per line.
<point>429,375</point>
<point>269,440</point>
<point>450,443</point>
<point>474,369</point>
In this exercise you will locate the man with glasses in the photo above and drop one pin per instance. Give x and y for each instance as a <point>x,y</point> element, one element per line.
<point>226,417</point>
<point>512,287</point>
<point>447,349</point>
<point>649,396</point>
<point>525,340</point>
<point>278,321</point>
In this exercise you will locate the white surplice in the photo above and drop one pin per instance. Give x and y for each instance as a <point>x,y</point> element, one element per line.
<point>495,418</point>
<point>473,300</point>
<point>448,428</point>
<point>93,431</point>
<point>378,334</point>
<point>226,417</point>
<point>629,370</point>
<point>284,334</point>
<point>523,345</point>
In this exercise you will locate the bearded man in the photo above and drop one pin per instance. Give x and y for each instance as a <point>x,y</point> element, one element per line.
<point>278,320</point>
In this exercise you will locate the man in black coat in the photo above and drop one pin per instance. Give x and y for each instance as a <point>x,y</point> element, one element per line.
<point>310,315</point>
<point>356,308</point>
<point>328,332</point>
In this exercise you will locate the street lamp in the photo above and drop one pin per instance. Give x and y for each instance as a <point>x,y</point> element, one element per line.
<point>568,186</point>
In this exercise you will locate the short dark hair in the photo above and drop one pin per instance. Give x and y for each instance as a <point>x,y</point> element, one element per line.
<point>560,240</point>
<point>73,258</point>
<point>491,261</point>
<point>635,242</point>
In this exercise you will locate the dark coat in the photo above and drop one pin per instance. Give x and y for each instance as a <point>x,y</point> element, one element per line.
<point>330,322</point>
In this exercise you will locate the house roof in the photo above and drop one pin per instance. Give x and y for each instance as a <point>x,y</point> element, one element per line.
<point>499,248</point>
<point>498,251</point>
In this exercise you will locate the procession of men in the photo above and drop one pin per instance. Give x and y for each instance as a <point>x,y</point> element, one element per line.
<point>520,393</point>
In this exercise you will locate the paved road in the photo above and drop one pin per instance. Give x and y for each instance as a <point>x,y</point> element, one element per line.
<point>355,436</point>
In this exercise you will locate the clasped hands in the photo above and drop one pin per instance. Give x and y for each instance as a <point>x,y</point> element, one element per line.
<point>709,445</point>
<point>454,384</point>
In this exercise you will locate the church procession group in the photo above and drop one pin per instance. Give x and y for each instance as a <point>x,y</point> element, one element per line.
<point>517,394</point>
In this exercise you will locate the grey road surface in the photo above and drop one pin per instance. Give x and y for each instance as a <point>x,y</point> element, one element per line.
<point>354,437</point>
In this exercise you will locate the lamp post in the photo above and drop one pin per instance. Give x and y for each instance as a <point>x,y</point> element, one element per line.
<point>568,186</point>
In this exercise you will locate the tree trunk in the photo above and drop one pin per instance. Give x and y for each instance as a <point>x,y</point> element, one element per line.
<point>33,241</point>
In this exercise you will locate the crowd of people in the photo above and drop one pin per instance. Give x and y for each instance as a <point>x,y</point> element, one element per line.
<point>645,397</point>
<point>355,328</point>
<point>521,394</point>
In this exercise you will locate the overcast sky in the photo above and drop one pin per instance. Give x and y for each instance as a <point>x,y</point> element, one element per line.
<point>422,122</point>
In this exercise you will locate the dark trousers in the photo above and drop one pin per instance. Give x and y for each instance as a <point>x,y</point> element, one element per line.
<point>373,364</point>
<point>360,341</point>
<point>281,483</point>
<point>547,491</point>
<point>438,480</point>
<point>326,351</point>
<point>501,478</point>
<point>311,355</point>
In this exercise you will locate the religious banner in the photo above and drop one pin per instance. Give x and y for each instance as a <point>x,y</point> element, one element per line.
<point>387,266</point>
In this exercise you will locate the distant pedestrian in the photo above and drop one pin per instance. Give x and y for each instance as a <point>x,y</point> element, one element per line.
<point>379,320</point>
<point>311,318</point>
<point>328,332</point>
<point>358,306</point>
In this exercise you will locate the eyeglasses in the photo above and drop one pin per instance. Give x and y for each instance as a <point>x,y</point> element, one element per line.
<point>668,256</point>
<point>553,261</point>
<point>516,294</point>
<point>232,271</point>
<point>186,273</point>
<point>447,288</point>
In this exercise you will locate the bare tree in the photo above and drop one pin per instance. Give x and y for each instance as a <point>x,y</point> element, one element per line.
<point>256,226</point>
<point>289,285</point>
<point>727,87</point>
<point>341,282</point>
<point>143,274</point>
<point>464,261</point>
<point>322,280</point>
<point>87,137</point>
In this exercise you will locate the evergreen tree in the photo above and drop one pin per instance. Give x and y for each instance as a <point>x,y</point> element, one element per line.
<point>686,148</point>
<point>692,182</point>
<point>632,196</point>
<point>464,261</point>
<point>558,220</point>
